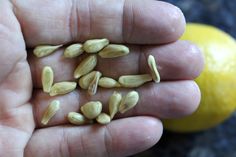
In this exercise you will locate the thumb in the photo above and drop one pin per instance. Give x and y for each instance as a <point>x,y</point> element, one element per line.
<point>15,79</point>
<point>15,85</point>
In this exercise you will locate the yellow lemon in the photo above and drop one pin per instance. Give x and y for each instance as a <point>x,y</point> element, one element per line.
<point>217,81</point>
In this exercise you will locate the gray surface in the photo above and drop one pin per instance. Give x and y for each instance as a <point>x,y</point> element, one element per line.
<point>221,140</point>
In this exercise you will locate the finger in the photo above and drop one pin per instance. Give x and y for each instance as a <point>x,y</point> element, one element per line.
<point>11,41</point>
<point>179,60</point>
<point>13,63</point>
<point>98,140</point>
<point>16,123</point>
<point>165,100</point>
<point>130,21</point>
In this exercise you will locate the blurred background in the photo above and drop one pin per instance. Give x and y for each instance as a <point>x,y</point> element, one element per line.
<point>219,141</point>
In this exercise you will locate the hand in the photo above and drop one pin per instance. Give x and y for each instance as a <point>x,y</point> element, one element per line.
<point>148,27</point>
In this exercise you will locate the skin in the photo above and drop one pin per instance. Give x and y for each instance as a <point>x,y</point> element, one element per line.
<point>149,27</point>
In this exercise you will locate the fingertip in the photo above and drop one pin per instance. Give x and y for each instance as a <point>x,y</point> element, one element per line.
<point>154,128</point>
<point>198,59</point>
<point>190,100</point>
<point>180,60</point>
<point>152,22</point>
<point>136,134</point>
<point>192,59</point>
<point>176,24</point>
<point>170,99</point>
<point>196,98</point>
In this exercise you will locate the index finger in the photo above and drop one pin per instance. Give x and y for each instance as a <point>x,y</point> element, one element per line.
<point>121,21</point>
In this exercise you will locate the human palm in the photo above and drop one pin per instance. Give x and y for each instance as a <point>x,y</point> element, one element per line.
<point>149,27</point>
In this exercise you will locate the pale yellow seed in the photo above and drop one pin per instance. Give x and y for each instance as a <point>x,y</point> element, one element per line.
<point>132,81</point>
<point>153,68</point>
<point>73,50</point>
<point>45,50</point>
<point>61,88</point>
<point>85,80</point>
<point>50,111</point>
<point>114,102</point>
<point>107,82</point>
<point>86,66</point>
<point>47,78</point>
<point>77,119</point>
<point>103,118</point>
<point>92,89</point>
<point>91,109</point>
<point>95,45</point>
<point>129,101</point>
<point>114,50</point>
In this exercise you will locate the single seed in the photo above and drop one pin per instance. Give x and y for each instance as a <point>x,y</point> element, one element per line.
<point>114,50</point>
<point>132,81</point>
<point>86,66</point>
<point>95,45</point>
<point>91,109</point>
<point>103,118</point>
<point>77,119</point>
<point>73,50</point>
<point>114,102</point>
<point>61,88</point>
<point>85,80</point>
<point>92,89</point>
<point>107,82</point>
<point>153,67</point>
<point>50,111</point>
<point>45,50</point>
<point>47,79</point>
<point>129,101</point>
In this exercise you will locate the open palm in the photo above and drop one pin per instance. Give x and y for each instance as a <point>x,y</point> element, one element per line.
<point>148,27</point>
